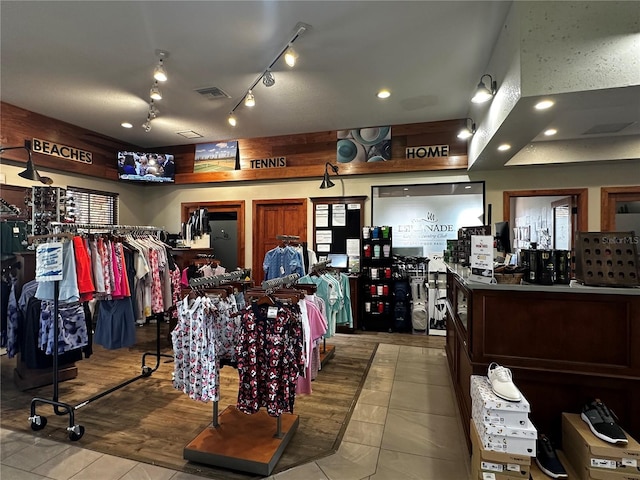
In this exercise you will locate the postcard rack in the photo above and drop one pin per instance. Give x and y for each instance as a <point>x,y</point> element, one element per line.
<point>235,440</point>
<point>75,431</point>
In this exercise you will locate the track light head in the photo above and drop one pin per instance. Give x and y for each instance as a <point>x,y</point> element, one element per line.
<point>160,74</point>
<point>147,125</point>
<point>249,99</point>
<point>484,93</point>
<point>154,93</point>
<point>268,80</point>
<point>232,120</point>
<point>290,56</point>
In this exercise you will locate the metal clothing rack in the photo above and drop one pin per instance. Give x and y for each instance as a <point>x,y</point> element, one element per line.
<point>288,238</point>
<point>215,445</point>
<point>38,422</point>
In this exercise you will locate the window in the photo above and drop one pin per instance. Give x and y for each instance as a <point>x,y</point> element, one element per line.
<point>94,206</point>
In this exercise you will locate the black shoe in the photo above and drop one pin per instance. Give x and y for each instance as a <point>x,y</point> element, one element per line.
<point>547,459</point>
<point>602,422</point>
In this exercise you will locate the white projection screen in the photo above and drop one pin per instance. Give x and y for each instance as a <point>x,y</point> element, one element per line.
<point>424,217</point>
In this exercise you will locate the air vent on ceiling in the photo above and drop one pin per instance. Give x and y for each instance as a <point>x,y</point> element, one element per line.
<point>189,134</point>
<point>607,128</point>
<point>213,93</point>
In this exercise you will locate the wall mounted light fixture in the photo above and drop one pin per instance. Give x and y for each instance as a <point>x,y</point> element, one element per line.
<point>267,76</point>
<point>30,172</point>
<point>326,181</point>
<point>484,93</point>
<point>467,131</point>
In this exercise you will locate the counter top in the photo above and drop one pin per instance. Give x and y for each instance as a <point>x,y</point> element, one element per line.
<point>464,273</point>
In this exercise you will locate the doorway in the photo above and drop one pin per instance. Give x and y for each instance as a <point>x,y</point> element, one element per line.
<point>226,219</point>
<point>620,209</point>
<point>571,215</point>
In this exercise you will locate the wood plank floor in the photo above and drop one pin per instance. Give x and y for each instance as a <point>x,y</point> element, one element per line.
<point>150,421</point>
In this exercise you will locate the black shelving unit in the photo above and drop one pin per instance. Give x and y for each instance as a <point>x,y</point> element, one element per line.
<point>376,262</point>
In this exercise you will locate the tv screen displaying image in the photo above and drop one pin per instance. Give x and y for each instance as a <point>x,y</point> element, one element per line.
<point>146,167</point>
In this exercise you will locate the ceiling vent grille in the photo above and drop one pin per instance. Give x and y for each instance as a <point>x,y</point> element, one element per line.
<point>213,93</point>
<point>607,128</point>
<point>189,134</point>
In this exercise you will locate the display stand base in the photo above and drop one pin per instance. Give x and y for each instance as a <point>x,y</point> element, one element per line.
<point>27,378</point>
<point>243,442</point>
<point>326,353</point>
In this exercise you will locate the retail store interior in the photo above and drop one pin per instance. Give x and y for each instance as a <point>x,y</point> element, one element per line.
<point>320,240</point>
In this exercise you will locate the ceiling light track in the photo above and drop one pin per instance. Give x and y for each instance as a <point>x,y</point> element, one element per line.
<point>267,75</point>
<point>159,75</point>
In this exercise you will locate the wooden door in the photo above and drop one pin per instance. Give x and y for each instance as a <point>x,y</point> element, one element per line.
<point>272,218</point>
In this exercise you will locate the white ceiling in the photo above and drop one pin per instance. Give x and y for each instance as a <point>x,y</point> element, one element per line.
<point>90,64</point>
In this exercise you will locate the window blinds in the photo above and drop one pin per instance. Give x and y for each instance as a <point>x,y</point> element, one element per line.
<point>94,206</point>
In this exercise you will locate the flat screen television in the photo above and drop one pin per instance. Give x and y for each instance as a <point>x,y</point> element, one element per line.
<point>146,167</point>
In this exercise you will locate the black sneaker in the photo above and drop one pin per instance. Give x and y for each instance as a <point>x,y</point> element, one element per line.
<point>602,422</point>
<point>547,459</point>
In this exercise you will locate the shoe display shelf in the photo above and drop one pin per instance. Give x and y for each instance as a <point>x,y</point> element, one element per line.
<point>377,279</point>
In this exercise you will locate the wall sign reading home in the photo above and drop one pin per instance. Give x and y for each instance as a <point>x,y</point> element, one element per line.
<point>61,151</point>
<point>275,162</point>
<point>432,151</point>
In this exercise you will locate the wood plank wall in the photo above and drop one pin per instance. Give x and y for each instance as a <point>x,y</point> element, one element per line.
<point>306,154</point>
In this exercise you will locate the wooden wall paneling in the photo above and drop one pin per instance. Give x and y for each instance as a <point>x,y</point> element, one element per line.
<point>20,125</point>
<point>306,153</point>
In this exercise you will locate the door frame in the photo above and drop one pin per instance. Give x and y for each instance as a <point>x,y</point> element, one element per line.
<point>224,206</point>
<point>582,204</point>
<point>609,196</point>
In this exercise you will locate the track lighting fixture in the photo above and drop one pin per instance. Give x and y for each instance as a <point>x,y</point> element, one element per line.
<point>153,110</point>
<point>249,99</point>
<point>154,93</point>
<point>326,181</point>
<point>467,132</point>
<point>232,120</point>
<point>268,80</point>
<point>266,76</point>
<point>484,93</point>
<point>147,125</point>
<point>30,172</point>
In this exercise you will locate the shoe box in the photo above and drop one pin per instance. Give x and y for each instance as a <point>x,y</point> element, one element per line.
<point>487,407</point>
<point>595,459</point>
<point>491,465</point>
<point>537,474</point>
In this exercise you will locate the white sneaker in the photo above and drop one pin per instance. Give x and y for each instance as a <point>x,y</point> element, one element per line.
<point>502,383</point>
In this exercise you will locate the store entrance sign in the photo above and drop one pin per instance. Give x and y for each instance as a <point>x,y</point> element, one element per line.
<point>432,151</point>
<point>276,162</point>
<point>61,151</point>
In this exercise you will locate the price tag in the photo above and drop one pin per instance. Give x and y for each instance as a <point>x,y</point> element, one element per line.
<point>272,312</point>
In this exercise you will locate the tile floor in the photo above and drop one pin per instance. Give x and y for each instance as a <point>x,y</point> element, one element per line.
<point>404,426</point>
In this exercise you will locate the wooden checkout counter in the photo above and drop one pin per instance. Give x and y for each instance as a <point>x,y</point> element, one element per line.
<point>564,345</point>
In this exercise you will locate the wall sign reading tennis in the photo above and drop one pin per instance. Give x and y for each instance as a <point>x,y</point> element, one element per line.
<point>275,162</point>
<point>432,151</point>
<point>61,151</point>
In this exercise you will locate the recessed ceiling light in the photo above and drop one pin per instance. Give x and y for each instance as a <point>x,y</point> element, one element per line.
<point>384,94</point>
<point>544,104</point>
<point>405,189</point>
<point>467,187</point>
<point>126,125</point>
<point>504,147</point>
<point>550,131</point>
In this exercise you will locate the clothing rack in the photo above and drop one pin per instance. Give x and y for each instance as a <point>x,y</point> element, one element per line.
<point>215,445</point>
<point>319,267</point>
<point>285,281</point>
<point>288,238</point>
<point>38,422</point>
